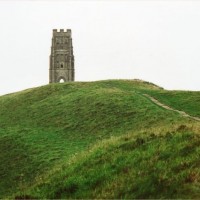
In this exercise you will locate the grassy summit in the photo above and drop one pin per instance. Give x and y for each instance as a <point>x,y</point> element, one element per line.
<point>99,140</point>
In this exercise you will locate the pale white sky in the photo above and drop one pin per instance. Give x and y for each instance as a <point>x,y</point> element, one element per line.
<point>157,41</point>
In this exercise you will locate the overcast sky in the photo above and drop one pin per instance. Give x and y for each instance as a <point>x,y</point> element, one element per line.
<point>157,41</point>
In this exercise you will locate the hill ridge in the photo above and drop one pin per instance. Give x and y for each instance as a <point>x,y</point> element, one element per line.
<point>182,113</point>
<point>42,128</point>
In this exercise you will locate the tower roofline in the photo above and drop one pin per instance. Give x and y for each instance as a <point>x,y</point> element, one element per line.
<point>61,30</point>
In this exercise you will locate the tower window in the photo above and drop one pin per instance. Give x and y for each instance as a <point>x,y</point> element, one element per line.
<point>61,65</point>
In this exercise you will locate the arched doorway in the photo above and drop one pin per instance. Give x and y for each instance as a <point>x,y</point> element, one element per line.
<point>61,80</point>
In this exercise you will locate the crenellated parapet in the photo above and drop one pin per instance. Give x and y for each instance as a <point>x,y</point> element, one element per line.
<point>61,32</point>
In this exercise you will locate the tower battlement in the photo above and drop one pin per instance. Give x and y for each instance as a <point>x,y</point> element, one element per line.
<point>61,58</point>
<point>58,31</point>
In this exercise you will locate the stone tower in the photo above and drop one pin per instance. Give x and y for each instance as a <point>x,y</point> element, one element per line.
<point>61,58</point>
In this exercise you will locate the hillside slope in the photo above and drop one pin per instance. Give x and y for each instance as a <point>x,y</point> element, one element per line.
<point>186,101</point>
<point>41,129</point>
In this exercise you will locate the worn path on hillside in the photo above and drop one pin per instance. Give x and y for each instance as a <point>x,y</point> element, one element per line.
<point>184,114</point>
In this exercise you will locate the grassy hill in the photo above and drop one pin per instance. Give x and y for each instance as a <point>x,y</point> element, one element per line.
<point>181,100</point>
<point>99,140</point>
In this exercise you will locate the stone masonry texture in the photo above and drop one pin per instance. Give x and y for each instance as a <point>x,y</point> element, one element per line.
<point>61,58</point>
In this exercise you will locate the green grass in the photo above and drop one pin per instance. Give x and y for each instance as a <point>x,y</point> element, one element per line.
<point>43,129</point>
<point>181,100</point>
<point>132,166</point>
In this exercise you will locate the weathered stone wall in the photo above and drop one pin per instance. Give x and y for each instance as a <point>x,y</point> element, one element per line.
<point>61,58</point>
